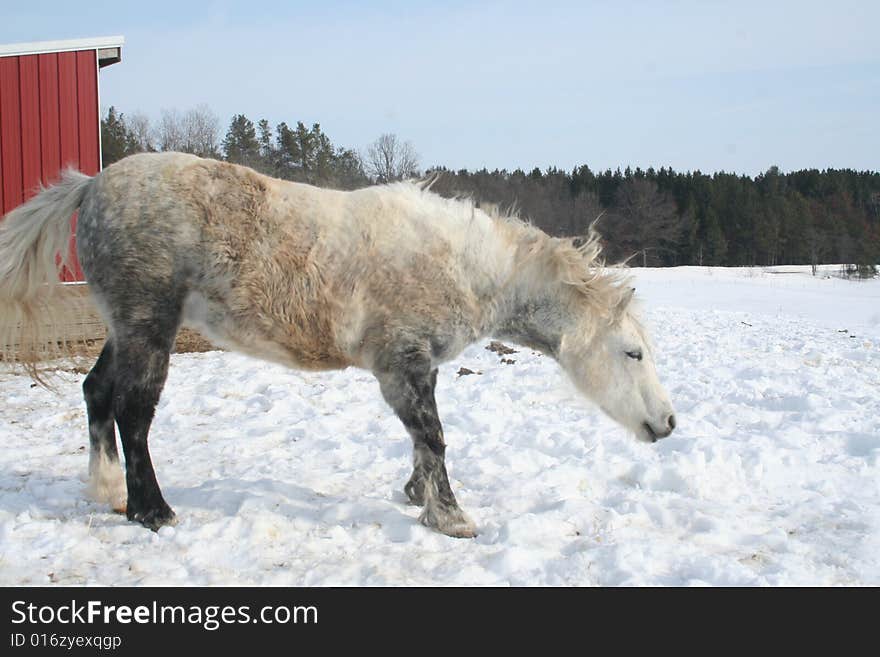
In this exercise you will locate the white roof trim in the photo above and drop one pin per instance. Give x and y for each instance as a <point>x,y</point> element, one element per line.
<point>61,46</point>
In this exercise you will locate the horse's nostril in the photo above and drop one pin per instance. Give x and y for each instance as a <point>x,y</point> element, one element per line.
<point>670,422</point>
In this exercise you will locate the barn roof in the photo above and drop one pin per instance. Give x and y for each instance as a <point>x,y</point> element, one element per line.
<point>109,48</point>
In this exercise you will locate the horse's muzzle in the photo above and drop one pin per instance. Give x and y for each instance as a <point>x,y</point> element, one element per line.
<point>657,435</point>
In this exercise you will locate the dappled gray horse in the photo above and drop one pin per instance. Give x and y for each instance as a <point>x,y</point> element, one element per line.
<point>393,279</point>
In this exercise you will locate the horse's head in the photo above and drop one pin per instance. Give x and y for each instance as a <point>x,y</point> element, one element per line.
<point>612,364</point>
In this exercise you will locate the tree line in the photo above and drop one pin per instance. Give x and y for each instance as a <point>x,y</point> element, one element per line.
<point>670,218</point>
<point>659,217</point>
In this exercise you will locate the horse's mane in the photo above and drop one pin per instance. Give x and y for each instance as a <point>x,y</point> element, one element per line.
<point>582,266</point>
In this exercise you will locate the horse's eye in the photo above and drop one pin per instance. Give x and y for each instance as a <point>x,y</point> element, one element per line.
<point>637,354</point>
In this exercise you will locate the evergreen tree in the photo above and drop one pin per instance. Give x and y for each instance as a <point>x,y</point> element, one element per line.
<point>715,242</point>
<point>240,145</point>
<point>265,138</point>
<point>267,150</point>
<point>116,140</point>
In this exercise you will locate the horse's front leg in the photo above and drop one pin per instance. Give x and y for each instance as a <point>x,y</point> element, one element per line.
<point>409,390</point>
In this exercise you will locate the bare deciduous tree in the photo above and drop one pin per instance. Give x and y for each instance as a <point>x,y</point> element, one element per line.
<point>585,209</point>
<point>644,220</point>
<point>388,159</point>
<point>196,131</point>
<point>141,131</point>
<point>202,129</point>
<point>169,132</point>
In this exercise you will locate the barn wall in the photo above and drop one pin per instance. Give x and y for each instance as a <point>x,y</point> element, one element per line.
<point>48,121</point>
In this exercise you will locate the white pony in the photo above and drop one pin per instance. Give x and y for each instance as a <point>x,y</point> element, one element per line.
<point>393,279</point>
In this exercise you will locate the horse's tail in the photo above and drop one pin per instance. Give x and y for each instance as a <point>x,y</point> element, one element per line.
<point>34,247</point>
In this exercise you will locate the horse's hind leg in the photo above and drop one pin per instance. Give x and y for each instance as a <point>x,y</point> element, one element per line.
<point>142,355</point>
<point>106,481</point>
<point>415,487</point>
<point>409,390</point>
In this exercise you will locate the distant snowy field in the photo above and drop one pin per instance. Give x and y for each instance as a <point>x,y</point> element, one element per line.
<point>287,478</point>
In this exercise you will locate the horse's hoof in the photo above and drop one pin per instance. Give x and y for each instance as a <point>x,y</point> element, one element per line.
<point>107,486</point>
<point>450,521</point>
<point>461,530</point>
<point>154,519</point>
<point>120,508</point>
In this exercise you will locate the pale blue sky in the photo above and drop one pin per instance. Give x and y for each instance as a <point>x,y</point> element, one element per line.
<point>737,86</point>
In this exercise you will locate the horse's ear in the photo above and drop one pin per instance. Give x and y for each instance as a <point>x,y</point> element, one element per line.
<point>625,299</point>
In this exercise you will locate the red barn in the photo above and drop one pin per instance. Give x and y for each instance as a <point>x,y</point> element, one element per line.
<point>49,114</point>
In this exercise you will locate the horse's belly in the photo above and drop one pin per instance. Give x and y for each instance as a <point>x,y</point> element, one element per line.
<point>215,321</point>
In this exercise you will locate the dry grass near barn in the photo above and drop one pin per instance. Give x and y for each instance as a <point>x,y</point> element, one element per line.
<point>84,333</point>
<point>188,341</point>
<point>85,353</point>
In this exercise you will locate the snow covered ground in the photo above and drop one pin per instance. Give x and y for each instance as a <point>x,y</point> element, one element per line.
<point>289,478</point>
